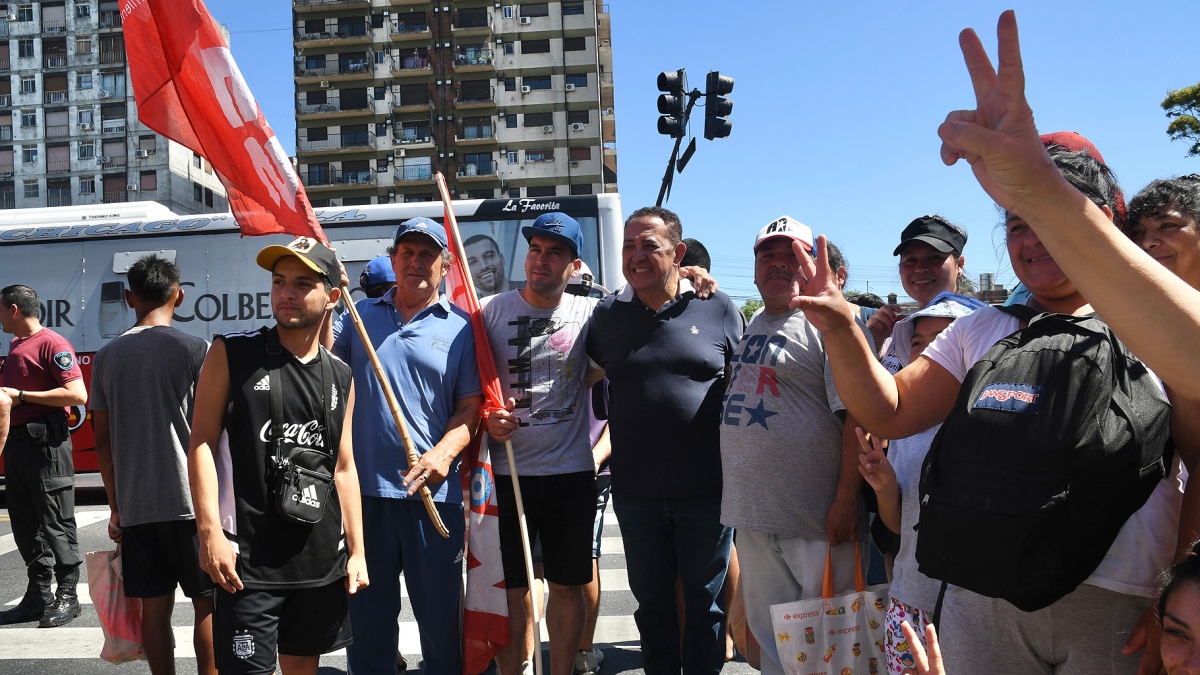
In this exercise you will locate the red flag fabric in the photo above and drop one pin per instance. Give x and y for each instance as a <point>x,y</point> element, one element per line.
<point>189,89</point>
<point>485,611</point>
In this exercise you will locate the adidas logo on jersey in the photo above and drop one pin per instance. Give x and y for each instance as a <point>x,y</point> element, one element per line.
<point>309,497</point>
<point>264,384</point>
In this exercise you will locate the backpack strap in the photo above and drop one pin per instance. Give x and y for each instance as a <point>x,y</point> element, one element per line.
<point>1023,313</point>
<point>937,608</point>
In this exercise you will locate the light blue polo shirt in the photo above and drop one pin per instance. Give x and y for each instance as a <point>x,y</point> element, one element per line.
<point>430,364</point>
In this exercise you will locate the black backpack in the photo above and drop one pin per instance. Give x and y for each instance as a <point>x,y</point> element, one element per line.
<point>1059,434</point>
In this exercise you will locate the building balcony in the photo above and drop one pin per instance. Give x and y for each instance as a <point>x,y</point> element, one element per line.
<point>474,60</point>
<point>58,166</point>
<point>6,133</point>
<point>412,137</point>
<point>334,104</point>
<point>110,18</point>
<point>4,28</point>
<point>115,197</point>
<point>466,23</point>
<point>465,99</point>
<point>113,126</point>
<point>304,6</point>
<point>324,178</point>
<point>349,140</point>
<point>341,70</point>
<point>8,200</point>
<point>115,162</point>
<point>410,66</point>
<point>412,174</point>
<point>399,31</point>
<point>5,100</point>
<point>54,97</point>
<point>481,170</point>
<point>58,131</point>
<point>6,171</point>
<point>475,134</point>
<point>402,102</point>
<point>115,56</point>
<point>54,61</point>
<point>338,33</point>
<point>61,199</point>
<point>52,26</point>
<point>402,3</point>
<point>5,63</point>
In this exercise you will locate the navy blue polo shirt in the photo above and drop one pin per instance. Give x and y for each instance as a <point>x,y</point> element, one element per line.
<point>665,372</point>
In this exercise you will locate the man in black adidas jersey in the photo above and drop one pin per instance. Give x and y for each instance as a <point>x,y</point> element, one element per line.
<point>283,584</point>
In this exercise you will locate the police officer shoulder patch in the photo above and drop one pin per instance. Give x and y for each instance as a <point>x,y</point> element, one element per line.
<point>64,360</point>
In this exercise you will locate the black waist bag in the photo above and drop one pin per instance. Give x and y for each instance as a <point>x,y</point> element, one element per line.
<point>1059,434</point>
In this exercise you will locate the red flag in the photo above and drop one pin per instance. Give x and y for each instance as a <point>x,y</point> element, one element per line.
<point>485,611</point>
<point>189,89</point>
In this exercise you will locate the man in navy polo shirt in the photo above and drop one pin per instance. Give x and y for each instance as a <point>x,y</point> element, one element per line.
<point>427,351</point>
<point>666,354</point>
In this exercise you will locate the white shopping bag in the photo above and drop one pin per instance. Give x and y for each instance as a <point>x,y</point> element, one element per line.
<point>841,635</point>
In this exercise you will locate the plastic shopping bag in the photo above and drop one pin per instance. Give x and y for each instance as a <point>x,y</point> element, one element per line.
<point>120,617</point>
<point>841,635</point>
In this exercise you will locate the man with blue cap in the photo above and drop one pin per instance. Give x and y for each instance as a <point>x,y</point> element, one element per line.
<point>427,352</point>
<point>538,334</point>
<point>377,277</point>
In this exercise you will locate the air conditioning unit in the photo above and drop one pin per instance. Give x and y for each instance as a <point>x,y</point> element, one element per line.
<point>104,94</point>
<point>398,152</point>
<point>574,165</point>
<point>526,20</point>
<point>131,188</point>
<point>102,160</point>
<point>526,89</point>
<point>143,154</point>
<point>570,87</point>
<point>577,126</point>
<point>548,129</point>
<point>85,126</point>
<point>325,84</point>
<point>607,111</point>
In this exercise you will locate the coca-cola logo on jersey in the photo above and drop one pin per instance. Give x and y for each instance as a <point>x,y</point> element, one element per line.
<point>307,434</point>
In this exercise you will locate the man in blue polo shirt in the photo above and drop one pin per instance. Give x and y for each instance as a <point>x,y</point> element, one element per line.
<point>427,351</point>
<point>666,354</point>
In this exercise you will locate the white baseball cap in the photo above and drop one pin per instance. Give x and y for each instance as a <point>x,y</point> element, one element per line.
<point>786,226</point>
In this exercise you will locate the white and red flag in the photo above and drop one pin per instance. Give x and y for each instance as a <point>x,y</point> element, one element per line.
<point>189,89</point>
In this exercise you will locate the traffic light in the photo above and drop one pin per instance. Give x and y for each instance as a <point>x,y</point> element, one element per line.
<point>671,104</point>
<point>716,106</point>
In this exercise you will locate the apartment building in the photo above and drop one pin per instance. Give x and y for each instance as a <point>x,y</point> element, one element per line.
<point>69,132</point>
<point>506,99</point>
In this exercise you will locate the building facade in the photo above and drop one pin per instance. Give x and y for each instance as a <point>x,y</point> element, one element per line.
<point>505,99</point>
<point>69,133</point>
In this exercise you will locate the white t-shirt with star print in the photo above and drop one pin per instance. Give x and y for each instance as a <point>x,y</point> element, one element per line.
<point>781,436</point>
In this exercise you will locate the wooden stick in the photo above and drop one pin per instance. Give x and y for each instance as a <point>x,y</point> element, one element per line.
<point>410,451</point>
<point>452,223</point>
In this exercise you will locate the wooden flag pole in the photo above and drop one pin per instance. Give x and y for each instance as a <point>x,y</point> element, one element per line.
<point>410,451</point>
<point>452,223</point>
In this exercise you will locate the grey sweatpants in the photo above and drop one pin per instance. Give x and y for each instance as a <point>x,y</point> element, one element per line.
<point>1081,634</point>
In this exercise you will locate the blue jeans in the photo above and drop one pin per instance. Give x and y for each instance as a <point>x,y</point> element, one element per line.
<point>665,539</point>
<point>399,537</point>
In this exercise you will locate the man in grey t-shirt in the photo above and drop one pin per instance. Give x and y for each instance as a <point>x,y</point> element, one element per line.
<point>538,335</point>
<point>790,472</point>
<point>143,384</point>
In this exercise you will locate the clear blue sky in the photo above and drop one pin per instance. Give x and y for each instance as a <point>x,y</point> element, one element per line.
<point>836,107</point>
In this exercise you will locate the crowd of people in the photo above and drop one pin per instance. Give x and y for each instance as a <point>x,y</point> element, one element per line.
<point>264,475</point>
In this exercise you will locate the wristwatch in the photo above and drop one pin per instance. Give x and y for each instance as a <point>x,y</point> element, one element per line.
<point>21,396</point>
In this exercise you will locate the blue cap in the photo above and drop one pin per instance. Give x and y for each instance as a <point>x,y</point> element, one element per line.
<point>378,271</point>
<point>558,226</point>
<point>425,226</point>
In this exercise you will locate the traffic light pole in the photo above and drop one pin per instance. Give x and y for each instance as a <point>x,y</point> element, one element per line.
<point>665,190</point>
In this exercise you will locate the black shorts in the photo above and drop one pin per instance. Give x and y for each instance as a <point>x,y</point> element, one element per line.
<point>253,626</point>
<point>560,512</point>
<point>156,556</point>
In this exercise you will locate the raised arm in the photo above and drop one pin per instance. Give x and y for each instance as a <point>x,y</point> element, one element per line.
<point>1154,312</point>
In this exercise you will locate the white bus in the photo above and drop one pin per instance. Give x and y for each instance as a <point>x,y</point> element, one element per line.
<point>76,259</point>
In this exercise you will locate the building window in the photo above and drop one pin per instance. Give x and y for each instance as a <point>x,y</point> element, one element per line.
<point>31,189</point>
<point>208,197</point>
<point>542,82</point>
<point>148,180</point>
<point>538,9</point>
<point>574,44</point>
<point>196,160</point>
<point>512,158</point>
<point>578,117</point>
<point>83,11</point>
<point>536,156</point>
<point>509,48</point>
<point>25,13</point>
<point>539,191</point>
<point>508,11</point>
<point>356,201</point>
<point>510,84</point>
<point>28,118</point>
<point>585,189</point>
<point>510,122</point>
<point>578,81</point>
<point>87,150</point>
<point>25,48</point>
<point>418,197</point>
<point>28,84</point>
<point>538,119</point>
<point>83,81</point>
<point>29,154</point>
<point>535,46</point>
<point>86,116</point>
<point>83,44</point>
<point>317,133</point>
<point>579,154</point>
<point>113,84</point>
<point>198,193</point>
<point>572,8</point>
<point>87,185</point>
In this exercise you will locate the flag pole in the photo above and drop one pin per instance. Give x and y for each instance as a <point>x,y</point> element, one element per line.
<point>410,450</point>
<point>459,251</point>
